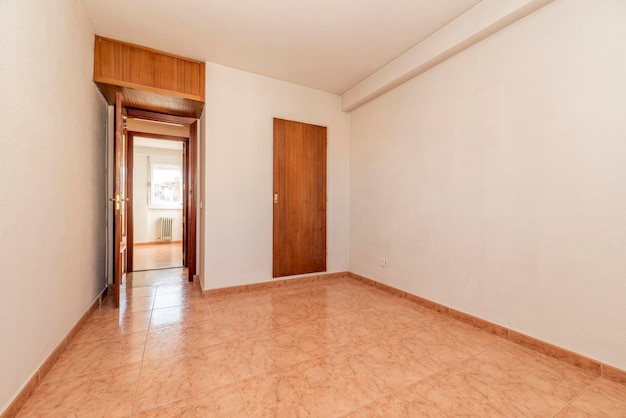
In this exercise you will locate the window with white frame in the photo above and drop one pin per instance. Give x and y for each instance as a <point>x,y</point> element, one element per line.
<point>166,186</point>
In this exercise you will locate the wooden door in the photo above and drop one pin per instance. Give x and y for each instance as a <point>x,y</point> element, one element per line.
<point>190,204</point>
<point>299,198</point>
<point>185,210</point>
<point>130,220</point>
<point>119,198</point>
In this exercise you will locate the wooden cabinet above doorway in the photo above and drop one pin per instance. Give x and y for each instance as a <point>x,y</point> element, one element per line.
<point>149,79</point>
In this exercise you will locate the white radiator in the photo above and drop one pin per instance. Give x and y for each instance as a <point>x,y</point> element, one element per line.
<point>166,228</point>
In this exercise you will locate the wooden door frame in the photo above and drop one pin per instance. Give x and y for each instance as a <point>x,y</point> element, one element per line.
<point>190,185</point>
<point>192,207</point>
<point>130,161</point>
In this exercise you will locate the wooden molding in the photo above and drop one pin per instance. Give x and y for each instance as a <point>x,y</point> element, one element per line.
<point>160,117</point>
<point>265,286</point>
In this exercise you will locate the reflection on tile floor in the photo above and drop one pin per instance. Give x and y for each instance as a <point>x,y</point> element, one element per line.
<point>157,256</point>
<point>325,350</point>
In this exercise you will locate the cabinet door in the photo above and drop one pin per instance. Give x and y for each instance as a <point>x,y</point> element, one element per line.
<point>149,79</point>
<point>176,74</point>
<point>116,61</point>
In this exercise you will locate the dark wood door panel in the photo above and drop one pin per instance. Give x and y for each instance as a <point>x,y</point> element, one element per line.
<point>299,199</point>
<point>119,199</point>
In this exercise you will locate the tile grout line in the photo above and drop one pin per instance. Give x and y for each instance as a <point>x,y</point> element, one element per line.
<point>394,392</point>
<point>143,354</point>
<point>281,328</point>
<point>232,371</point>
<point>237,382</point>
<point>571,402</point>
<point>230,364</point>
<point>428,376</point>
<point>295,341</point>
<point>42,372</point>
<point>169,355</point>
<point>356,346</point>
<point>488,326</point>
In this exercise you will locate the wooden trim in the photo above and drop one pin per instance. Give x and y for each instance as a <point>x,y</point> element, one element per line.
<point>22,396</point>
<point>185,208</point>
<point>428,304</point>
<point>378,285</point>
<point>130,218</point>
<point>145,48</point>
<point>474,321</point>
<point>150,89</point>
<point>153,102</point>
<point>139,244</point>
<point>192,167</point>
<point>266,286</point>
<point>160,136</point>
<point>160,117</point>
<point>49,362</point>
<point>614,374</point>
<point>551,350</point>
<point>556,352</point>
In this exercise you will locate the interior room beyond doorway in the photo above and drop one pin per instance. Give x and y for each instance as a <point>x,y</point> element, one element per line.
<point>157,204</point>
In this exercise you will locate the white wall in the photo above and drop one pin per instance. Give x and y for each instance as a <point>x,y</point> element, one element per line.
<point>146,226</point>
<point>52,168</point>
<point>239,115</point>
<point>495,183</point>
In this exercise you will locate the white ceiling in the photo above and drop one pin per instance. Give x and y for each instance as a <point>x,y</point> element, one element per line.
<point>328,45</point>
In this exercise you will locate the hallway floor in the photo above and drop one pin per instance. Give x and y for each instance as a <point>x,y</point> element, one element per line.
<point>324,350</point>
<point>157,256</point>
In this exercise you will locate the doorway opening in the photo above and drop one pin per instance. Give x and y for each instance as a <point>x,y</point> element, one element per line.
<point>157,209</point>
<point>161,204</point>
<point>121,258</point>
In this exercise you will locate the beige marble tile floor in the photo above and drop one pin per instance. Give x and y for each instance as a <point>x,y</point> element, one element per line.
<point>330,349</point>
<point>157,256</point>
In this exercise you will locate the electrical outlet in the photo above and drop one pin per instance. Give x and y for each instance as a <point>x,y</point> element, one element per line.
<point>382,262</point>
